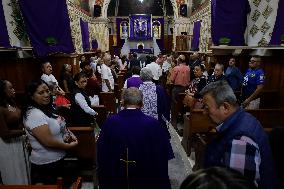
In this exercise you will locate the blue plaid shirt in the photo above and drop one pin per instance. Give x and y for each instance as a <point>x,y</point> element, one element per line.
<point>243,155</point>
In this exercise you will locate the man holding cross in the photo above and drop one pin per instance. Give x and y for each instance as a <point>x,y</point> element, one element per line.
<point>133,148</point>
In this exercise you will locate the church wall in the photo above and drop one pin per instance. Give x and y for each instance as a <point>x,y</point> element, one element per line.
<point>98,28</point>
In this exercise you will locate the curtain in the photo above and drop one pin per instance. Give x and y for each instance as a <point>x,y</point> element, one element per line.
<point>85,35</point>
<point>196,35</point>
<point>279,26</point>
<point>4,37</point>
<point>48,26</point>
<point>229,19</point>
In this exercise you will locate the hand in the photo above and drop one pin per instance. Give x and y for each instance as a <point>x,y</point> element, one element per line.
<point>73,144</point>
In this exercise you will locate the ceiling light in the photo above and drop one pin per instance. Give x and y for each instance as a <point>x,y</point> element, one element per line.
<point>141,1</point>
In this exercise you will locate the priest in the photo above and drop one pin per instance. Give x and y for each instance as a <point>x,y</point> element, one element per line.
<point>133,148</point>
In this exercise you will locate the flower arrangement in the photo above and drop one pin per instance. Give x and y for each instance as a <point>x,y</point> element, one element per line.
<point>224,41</point>
<point>51,41</point>
<point>282,39</point>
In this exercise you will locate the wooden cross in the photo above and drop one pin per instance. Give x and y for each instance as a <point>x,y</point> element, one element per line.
<point>127,162</point>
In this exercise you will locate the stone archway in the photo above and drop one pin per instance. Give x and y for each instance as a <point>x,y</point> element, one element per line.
<point>106,3</point>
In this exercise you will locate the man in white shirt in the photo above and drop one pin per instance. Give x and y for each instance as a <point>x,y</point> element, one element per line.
<point>49,78</point>
<point>93,63</point>
<point>155,69</point>
<point>166,63</point>
<point>107,78</point>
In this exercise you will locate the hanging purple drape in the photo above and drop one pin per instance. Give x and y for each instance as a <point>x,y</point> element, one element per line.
<point>95,44</point>
<point>196,35</point>
<point>4,36</point>
<point>229,19</point>
<point>48,26</point>
<point>85,35</point>
<point>279,26</point>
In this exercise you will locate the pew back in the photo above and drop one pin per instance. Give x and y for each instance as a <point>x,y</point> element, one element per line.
<point>108,100</point>
<point>198,122</point>
<point>86,148</point>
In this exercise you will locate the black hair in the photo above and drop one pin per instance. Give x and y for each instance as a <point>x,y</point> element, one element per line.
<point>217,178</point>
<point>79,75</point>
<point>83,64</point>
<point>201,66</point>
<point>136,70</point>
<point>4,100</point>
<point>31,88</point>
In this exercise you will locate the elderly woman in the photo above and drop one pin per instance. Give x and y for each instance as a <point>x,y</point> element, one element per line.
<point>13,167</point>
<point>47,133</point>
<point>155,100</point>
<point>66,79</point>
<point>193,99</point>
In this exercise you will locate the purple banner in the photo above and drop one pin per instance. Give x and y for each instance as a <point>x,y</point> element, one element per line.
<point>229,19</point>
<point>95,44</point>
<point>4,36</point>
<point>196,35</point>
<point>279,26</point>
<point>140,27</point>
<point>48,26</point>
<point>85,35</point>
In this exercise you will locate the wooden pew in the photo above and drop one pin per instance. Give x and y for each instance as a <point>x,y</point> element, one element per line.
<point>120,81</point>
<point>86,148</point>
<point>269,118</point>
<point>58,185</point>
<point>108,100</point>
<point>269,99</point>
<point>176,108</point>
<point>101,110</point>
<point>198,124</point>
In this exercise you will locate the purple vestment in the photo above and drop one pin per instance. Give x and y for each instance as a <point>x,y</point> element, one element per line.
<point>148,145</point>
<point>134,82</point>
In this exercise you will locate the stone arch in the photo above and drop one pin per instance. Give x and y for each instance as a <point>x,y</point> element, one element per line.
<point>106,3</point>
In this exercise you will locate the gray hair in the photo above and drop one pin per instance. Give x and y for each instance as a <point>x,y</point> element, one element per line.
<point>132,96</point>
<point>92,59</point>
<point>221,92</point>
<point>221,66</point>
<point>146,74</point>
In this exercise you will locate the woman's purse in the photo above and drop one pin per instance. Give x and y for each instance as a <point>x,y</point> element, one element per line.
<point>189,101</point>
<point>60,100</point>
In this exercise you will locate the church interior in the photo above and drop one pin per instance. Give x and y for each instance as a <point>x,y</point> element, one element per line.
<point>107,41</point>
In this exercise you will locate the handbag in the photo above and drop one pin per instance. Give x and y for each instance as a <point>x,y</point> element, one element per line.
<point>60,100</point>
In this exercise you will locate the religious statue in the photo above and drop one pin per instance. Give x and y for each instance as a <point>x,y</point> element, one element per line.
<point>157,31</point>
<point>123,30</point>
<point>140,27</point>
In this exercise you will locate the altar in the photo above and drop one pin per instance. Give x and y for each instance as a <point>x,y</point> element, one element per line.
<point>141,33</point>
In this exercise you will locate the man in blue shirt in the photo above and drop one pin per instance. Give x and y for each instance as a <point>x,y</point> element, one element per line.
<point>233,75</point>
<point>241,142</point>
<point>253,84</point>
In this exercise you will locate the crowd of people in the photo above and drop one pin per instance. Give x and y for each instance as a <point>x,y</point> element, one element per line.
<point>136,139</point>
